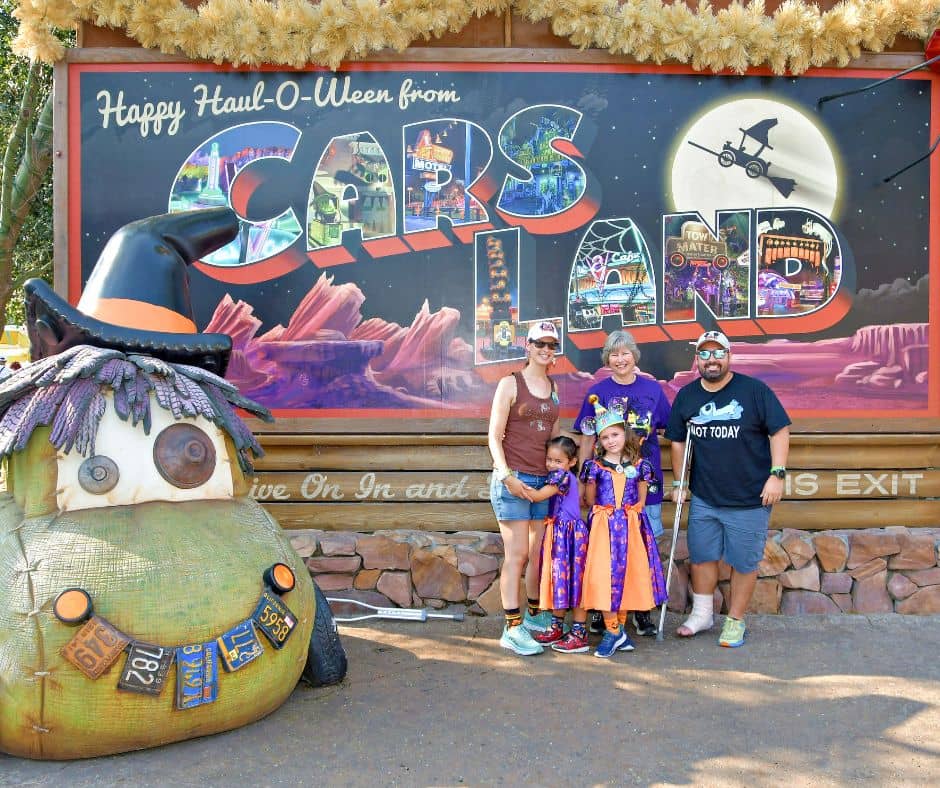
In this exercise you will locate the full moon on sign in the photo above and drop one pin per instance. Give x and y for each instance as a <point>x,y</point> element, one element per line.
<point>798,152</point>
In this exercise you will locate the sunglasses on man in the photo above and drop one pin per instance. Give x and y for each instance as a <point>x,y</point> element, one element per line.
<point>719,354</point>
<point>541,344</point>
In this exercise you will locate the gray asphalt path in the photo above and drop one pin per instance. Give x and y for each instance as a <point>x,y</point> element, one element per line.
<point>823,701</point>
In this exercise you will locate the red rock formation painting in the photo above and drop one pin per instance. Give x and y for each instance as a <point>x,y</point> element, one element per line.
<point>329,357</point>
<point>878,367</point>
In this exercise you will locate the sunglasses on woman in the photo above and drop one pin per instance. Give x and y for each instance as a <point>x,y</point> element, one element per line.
<point>719,354</point>
<point>541,344</point>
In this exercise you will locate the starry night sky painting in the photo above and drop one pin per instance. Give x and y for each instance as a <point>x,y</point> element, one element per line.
<point>466,203</point>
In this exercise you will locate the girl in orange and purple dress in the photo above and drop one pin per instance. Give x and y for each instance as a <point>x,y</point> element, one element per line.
<point>564,544</point>
<point>622,569</point>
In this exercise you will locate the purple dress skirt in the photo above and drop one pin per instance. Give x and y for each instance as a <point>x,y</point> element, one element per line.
<point>622,570</point>
<point>564,546</point>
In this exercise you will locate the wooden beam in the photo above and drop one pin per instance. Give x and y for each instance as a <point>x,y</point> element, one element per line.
<point>862,427</point>
<point>375,458</point>
<point>383,437</point>
<point>454,452</point>
<point>314,439</point>
<point>824,515</point>
<point>842,514</point>
<point>417,487</point>
<point>383,516</point>
<point>404,423</point>
<point>478,516</point>
<point>450,439</point>
<point>60,178</point>
<point>458,486</point>
<point>887,61</point>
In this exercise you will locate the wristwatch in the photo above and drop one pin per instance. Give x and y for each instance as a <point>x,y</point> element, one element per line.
<point>779,471</point>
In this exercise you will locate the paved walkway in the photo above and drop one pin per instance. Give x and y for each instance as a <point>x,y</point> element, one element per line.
<point>818,700</point>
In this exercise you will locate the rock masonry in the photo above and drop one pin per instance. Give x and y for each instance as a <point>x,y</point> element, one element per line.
<point>878,570</point>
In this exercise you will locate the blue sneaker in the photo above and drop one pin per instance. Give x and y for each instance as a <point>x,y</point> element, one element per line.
<point>541,622</point>
<point>610,643</point>
<point>627,644</point>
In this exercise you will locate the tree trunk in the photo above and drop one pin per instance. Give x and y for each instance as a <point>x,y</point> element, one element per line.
<point>25,166</point>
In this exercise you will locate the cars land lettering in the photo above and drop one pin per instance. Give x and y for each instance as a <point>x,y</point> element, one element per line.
<point>698,245</point>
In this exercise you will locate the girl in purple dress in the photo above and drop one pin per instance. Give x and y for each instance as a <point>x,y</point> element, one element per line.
<point>622,570</point>
<point>564,544</point>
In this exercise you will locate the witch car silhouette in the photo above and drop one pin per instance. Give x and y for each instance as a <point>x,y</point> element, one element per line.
<point>756,167</point>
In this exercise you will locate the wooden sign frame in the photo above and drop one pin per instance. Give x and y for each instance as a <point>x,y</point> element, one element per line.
<point>390,421</point>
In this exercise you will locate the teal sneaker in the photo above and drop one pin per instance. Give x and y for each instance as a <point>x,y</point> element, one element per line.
<point>732,633</point>
<point>520,640</point>
<point>537,623</point>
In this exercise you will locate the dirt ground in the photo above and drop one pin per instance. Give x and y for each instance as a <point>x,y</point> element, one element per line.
<point>824,701</point>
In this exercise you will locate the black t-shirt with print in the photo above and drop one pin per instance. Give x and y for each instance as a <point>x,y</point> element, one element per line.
<point>730,445</point>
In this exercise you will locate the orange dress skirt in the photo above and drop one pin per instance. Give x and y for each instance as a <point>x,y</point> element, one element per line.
<point>607,570</point>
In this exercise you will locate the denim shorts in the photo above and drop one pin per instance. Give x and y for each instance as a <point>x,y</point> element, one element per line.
<point>654,511</point>
<point>720,532</point>
<point>508,507</point>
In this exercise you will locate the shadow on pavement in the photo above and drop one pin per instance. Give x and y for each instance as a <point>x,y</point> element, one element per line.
<point>826,700</point>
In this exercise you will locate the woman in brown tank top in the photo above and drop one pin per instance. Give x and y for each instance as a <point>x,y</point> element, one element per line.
<point>523,418</point>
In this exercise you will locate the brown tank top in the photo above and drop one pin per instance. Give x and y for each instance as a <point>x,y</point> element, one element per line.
<point>528,429</point>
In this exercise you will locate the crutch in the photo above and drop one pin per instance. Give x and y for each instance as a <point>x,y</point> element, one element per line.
<point>398,613</point>
<point>686,456</point>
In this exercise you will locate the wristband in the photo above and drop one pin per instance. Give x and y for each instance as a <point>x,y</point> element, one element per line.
<point>677,483</point>
<point>501,474</point>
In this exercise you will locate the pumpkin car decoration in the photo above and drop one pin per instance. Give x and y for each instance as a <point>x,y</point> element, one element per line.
<point>145,598</point>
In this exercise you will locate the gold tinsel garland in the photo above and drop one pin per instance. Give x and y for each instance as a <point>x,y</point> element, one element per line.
<point>296,32</point>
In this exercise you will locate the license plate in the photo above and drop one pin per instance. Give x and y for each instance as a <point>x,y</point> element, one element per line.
<point>274,618</point>
<point>146,668</point>
<point>95,647</point>
<point>239,646</point>
<point>197,675</point>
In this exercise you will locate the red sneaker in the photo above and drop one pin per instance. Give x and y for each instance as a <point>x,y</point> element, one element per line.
<point>551,635</point>
<point>571,644</point>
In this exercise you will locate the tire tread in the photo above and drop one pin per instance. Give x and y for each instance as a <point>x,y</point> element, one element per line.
<point>326,657</point>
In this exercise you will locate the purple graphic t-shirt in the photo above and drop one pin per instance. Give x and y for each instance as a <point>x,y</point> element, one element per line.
<point>646,399</point>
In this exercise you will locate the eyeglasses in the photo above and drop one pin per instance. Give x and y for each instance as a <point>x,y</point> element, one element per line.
<point>719,354</point>
<point>540,344</point>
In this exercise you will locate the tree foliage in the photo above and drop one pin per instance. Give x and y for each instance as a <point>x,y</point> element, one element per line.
<point>26,175</point>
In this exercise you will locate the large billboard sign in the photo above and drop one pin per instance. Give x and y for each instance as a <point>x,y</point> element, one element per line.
<point>403,224</point>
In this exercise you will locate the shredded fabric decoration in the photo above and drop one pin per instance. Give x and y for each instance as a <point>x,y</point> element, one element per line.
<point>66,392</point>
<point>296,33</point>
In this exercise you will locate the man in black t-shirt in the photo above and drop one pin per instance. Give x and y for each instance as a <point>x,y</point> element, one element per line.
<point>740,439</point>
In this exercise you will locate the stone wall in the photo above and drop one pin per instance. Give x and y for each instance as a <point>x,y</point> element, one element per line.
<point>876,570</point>
<point>879,570</point>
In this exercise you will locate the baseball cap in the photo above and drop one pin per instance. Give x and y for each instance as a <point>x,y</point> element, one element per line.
<point>541,330</point>
<point>713,336</point>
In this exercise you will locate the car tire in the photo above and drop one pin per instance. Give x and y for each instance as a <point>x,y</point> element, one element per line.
<point>754,169</point>
<point>326,657</point>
